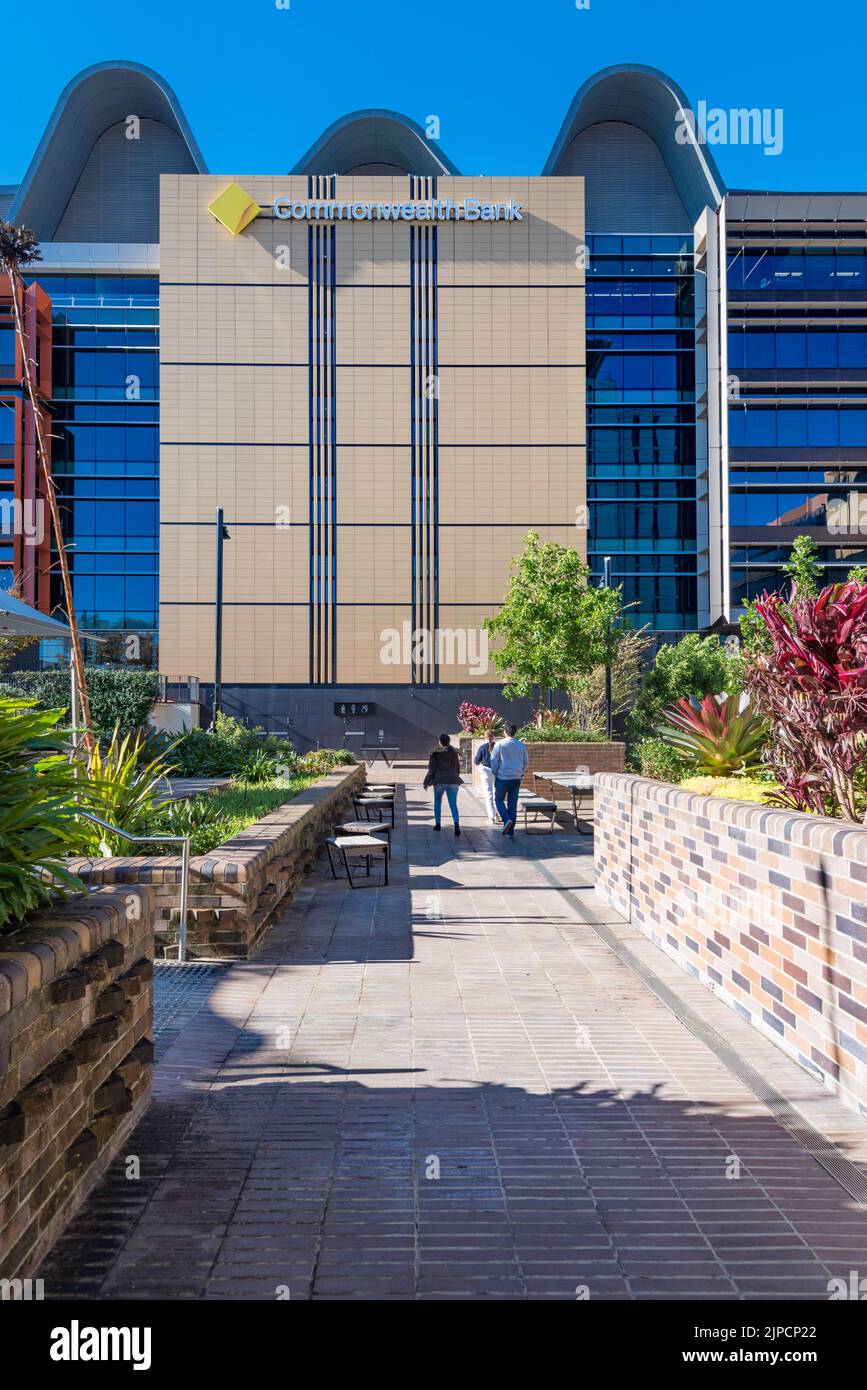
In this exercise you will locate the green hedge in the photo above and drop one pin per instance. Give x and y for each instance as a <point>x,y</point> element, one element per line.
<point>122,696</point>
<point>559,733</point>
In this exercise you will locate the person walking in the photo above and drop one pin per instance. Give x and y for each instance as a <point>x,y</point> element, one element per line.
<point>444,775</point>
<point>482,761</point>
<point>509,762</point>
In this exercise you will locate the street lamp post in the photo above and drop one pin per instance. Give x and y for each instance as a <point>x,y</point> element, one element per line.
<point>606,581</point>
<point>222,535</point>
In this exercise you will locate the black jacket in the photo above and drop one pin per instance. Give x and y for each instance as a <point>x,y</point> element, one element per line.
<point>444,768</point>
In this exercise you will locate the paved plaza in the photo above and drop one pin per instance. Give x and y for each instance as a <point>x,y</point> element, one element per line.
<point>477,1082</point>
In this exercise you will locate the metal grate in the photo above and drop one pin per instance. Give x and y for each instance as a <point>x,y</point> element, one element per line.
<point>181,989</point>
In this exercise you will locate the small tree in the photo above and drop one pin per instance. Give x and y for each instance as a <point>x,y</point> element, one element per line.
<point>553,625</point>
<point>19,249</point>
<point>587,693</point>
<point>811,685</point>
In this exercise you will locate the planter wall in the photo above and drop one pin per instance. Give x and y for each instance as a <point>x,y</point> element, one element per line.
<point>237,888</point>
<point>768,908</point>
<point>76,1018</point>
<point>565,757</point>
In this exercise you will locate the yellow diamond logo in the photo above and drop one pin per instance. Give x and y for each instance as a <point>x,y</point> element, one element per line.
<point>234,209</point>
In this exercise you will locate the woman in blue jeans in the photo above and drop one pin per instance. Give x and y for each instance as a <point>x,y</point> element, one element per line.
<point>444,775</point>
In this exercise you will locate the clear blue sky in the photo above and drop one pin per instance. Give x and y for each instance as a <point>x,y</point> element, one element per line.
<point>258,84</point>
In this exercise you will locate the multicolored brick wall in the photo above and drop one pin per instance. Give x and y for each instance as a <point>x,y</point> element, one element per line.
<point>768,908</point>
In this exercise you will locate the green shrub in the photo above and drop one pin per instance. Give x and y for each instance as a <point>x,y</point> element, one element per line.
<point>37,809</point>
<point>654,758</point>
<point>695,665</point>
<point>322,760</point>
<point>732,788</point>
<point>559,733</point>
<point>258,766</point>
<point>224,751</point>
<point>119,697</point>
<point>203,818</point>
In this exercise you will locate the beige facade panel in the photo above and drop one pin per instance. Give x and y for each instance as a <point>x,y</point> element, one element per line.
<point>464,649</point>
<point>374,405</point>
<point>374,484</point>
<point>269,640</point>
<point>487,325</point>
<point>261,484</point>
<point>541,249</point>
<point>188,564</point>
<point>230,404</point>
<point>475,559</point>
<point>527,487</point>
<point>372,326</point>
<point>373,643</point>
<point>234,323</point>
<point>194,247</point>
<point>511,405</point>
<point>374,563</point>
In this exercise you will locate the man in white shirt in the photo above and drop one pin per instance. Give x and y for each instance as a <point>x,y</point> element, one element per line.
<point>509,762</point>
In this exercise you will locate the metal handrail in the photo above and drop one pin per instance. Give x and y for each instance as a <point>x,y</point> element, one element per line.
<point>183,841</point>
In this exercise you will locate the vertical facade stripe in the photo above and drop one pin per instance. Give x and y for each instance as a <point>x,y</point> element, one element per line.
<point>424,436</point>
<point>322,297</point>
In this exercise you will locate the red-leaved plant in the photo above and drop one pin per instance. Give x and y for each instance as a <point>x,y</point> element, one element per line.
<point>478,719</point>
<point>811,686</point>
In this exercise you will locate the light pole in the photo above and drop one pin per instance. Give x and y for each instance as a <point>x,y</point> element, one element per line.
<point>606,583</point>
<point>222,535</point>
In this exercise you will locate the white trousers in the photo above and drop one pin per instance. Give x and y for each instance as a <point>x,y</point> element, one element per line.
<point>488,789</point>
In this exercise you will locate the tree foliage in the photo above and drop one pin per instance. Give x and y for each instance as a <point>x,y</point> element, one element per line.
<point>696,666</point>
<point>554,625</point>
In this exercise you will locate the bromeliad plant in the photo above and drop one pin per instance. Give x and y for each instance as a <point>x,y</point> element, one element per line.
<point>719,735</point>
<point>811,685</point>
<point>37,809</point>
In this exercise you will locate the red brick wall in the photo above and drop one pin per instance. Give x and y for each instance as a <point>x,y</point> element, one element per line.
<point>768,908</point>
<point>565,757</point>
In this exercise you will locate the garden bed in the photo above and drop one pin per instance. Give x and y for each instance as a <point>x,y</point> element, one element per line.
<point>236,888</point>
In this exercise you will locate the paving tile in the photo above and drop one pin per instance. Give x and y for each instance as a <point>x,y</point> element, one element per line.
<point>479,1100</point>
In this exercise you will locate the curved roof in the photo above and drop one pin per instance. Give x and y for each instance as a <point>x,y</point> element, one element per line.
<point>96,99</point>
<point>375,137</point>
<point>635,95</point>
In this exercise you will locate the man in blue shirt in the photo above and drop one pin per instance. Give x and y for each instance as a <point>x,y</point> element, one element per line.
<point>509,763</point>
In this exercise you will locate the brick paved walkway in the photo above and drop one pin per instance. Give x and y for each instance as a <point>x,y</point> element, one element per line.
<point>455,1088</point>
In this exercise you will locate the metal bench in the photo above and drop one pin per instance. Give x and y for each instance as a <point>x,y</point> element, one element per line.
<point>536,805</point>
<point>379,804</point>
<point>365,847</point>
<point>364,827</point>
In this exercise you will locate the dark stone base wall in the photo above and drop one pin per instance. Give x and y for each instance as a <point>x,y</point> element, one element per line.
<point>76,1018</point>
<point>413,717</point>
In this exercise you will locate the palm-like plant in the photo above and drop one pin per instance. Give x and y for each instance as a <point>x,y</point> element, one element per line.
<point>37,809</point>
<point>720,735</point>
<point>123,789</point>
<point>19,248</point>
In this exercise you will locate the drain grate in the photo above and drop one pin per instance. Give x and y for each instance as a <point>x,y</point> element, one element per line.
<point>827,1155</point>
<point>180,991</point>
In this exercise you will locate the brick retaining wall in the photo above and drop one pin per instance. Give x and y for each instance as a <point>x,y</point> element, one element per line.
<point>565,757</point>
<point>768,908</point>
<point>76,1018</point>
<point>236,888</point>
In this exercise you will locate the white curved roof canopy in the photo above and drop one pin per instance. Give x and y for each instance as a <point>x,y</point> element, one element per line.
<point>611,111</point>
<point>375,141</point>
<point>87,180</point>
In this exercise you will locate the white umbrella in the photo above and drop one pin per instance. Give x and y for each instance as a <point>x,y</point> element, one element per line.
<point>20,620</point>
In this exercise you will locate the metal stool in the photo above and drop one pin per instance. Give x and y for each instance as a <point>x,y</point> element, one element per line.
<point>366,846</point>
<point>364,827</point>
<point>380,804</point>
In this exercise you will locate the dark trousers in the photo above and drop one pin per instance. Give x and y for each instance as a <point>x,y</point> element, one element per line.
<point>506,798</point>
